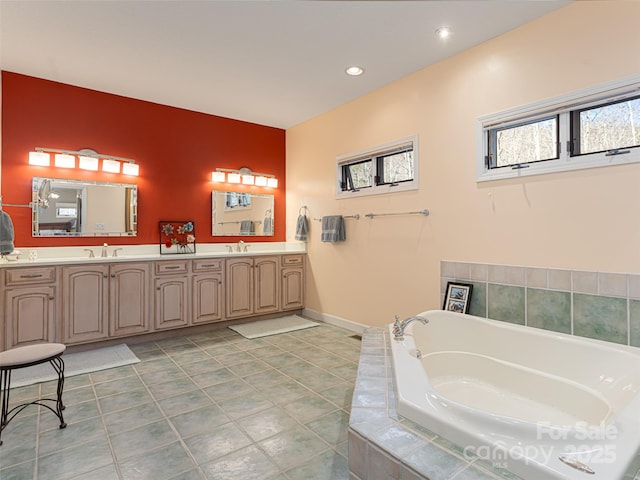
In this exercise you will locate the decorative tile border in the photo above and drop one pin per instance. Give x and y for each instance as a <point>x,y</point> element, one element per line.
<point>604,306</point>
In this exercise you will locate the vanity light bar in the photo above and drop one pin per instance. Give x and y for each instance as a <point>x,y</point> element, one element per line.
<point>87,160</point>
<point>110,166</point>
<point>244,176</point>
<point>64,160</point>
<point>88,163</point>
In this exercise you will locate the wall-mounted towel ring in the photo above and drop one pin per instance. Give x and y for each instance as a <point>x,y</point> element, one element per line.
<point>302,225</point>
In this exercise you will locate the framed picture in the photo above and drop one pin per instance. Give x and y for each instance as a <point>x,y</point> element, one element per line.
<point>177,236</point>
<point>457,297</point>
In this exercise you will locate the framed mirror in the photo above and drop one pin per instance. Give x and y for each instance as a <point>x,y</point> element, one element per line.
<point>238,213</point>
<point>82,208</point>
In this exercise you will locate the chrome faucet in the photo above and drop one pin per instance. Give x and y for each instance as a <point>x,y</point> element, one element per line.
<point>115,252</point>
<point>241,246</point>
<point>400,325</point>
<point>91,254</point>
<point>104,250</point>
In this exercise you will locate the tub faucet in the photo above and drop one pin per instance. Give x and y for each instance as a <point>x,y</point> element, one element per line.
<point>400,325</point>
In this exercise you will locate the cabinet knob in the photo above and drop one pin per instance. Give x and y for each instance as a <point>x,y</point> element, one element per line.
<point>113,275</point>
<point>51,297</point>
<point>105,275</point>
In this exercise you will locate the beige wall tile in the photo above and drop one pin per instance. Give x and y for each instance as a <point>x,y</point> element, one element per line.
<point>537,277</point>
<point>560,280</point>
<point>478,272</point>
<point>584,282</point>
<point>612,284</point>
<point>634,286</point>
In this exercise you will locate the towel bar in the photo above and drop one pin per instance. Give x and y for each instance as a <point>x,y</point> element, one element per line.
<point>356,216</point>
<point>424,212</point>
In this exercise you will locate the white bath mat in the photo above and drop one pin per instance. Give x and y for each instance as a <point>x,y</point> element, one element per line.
<point>263,328</point>
<point>75,364</point>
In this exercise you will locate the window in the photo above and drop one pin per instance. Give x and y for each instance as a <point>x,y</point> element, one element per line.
<point>66,210</point>
<point>590,128</point>
<point>532,141</point>
<point>606,128</point>
<point>384,169</point>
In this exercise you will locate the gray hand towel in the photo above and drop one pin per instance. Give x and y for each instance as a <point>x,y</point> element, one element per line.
<point>267,226</point>
<point>246,227</point>
<point>6,233</point>
<point>302,228</point>
<point>333,229</point>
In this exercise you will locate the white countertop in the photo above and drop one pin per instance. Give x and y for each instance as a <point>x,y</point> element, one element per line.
<point>132,253</point>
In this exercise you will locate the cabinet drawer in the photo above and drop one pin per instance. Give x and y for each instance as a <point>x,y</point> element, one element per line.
<point>178,266</point>
<point>292,260</point>
<point>26,276</point>
<point>207,264</point>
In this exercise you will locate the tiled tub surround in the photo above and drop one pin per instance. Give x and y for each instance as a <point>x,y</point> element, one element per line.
<point>604,306</point>
<point>484,384</point>
<point>208,406</point>
<point>383,445</point>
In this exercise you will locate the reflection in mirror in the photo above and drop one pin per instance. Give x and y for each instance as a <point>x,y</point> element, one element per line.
<point>235,213</point>
<point>83,208</point>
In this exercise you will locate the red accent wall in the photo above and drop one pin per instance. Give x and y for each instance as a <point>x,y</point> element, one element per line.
<point>176,149</point>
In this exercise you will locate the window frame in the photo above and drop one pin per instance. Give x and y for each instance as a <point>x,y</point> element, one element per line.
<point>563,106</point>
<point>575,124</point>
<point>492,141</point>
<point>375,155</point>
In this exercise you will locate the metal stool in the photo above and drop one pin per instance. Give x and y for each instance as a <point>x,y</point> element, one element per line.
<point>27,356</point>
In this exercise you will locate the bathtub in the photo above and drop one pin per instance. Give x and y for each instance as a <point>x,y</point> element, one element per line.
<point>540,404</point>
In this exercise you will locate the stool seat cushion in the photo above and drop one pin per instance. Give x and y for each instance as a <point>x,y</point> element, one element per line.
<point>30,354</point>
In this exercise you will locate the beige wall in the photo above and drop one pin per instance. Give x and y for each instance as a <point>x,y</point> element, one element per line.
<point>580,220</point>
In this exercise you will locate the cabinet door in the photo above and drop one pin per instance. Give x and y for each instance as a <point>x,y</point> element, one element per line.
<point>129,299</point>
<point>292,288</point>
<point>206,291</point>
<point>266,284</point>
<point>85,303</point>
<point>30,315</point>
<point>171,302</point>
<point>239,287</point>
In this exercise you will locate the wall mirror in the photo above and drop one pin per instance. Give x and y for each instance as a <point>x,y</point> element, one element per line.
<point>237,213</point>
<point>81,208</point>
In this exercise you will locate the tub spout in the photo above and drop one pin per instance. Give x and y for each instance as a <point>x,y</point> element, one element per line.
<point>400,325</point>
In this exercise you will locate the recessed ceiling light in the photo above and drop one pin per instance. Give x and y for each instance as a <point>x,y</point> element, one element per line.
<point>443,32</point>
<point>354,71</point>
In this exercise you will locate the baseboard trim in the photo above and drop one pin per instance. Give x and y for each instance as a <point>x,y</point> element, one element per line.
<point>334,320</point>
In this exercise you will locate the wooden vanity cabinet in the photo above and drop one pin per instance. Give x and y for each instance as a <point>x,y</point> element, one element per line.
<point>171,294</point>
<point>30,307</point>
<point>207,291</point>
<point>292,278</point>
<point>104,300</point>
<point>252,286</point>
<point>129,299</point>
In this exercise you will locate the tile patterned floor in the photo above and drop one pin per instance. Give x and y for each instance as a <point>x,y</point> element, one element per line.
<point>206,406</point>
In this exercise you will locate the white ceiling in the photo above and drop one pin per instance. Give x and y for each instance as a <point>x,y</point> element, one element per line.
<point>270,62</point>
